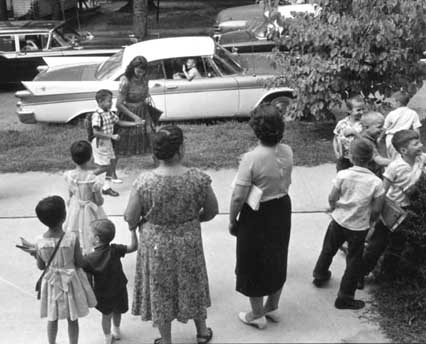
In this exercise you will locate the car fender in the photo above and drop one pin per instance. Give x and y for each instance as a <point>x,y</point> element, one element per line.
<point>274,93</point>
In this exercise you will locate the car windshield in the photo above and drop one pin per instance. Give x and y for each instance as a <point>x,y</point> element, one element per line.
<point>229,59</point>
<point>67,35</point>
<point>107,68</point>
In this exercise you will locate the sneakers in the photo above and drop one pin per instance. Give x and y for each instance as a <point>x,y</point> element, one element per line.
<point>342,303</point>
<point>260,323</point>
<point>110,192</point>
<point>319,282</point>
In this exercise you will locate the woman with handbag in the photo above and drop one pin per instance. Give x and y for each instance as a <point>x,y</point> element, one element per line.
<point>263,235</point>
<point>170,202</point>
<point>134,103</point>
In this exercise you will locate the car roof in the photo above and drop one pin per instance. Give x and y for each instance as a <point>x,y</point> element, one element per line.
<point>19,26</point>
<point>172,47</point>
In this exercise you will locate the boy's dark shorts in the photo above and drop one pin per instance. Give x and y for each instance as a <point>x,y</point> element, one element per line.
<point>118,303</point>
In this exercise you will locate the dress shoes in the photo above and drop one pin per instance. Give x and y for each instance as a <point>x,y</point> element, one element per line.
<point>260,323</point>
<point>110,192</point>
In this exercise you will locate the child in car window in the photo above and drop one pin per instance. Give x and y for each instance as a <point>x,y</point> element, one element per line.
<point>189,71</point>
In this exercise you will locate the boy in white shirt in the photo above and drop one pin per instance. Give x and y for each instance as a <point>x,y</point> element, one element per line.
<point>355,199</point>
<point>399,179</point>
<point>402,118</point>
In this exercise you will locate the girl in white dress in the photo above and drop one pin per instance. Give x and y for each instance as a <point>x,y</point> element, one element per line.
<point>85,202</point>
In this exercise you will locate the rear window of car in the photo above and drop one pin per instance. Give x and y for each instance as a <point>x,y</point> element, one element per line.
<point>7,43</point>
<point>108,68</point>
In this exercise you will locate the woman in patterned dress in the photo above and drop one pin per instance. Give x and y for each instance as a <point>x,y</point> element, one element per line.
<point>171,201</point>
<point>132,98</point>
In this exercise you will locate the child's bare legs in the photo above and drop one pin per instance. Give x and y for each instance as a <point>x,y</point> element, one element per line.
<point>113,166</point>
<point>106,327</point>
<point>73,331</point>
<point>52,331</point>
<point>272,301</point>
<point>165,329</point>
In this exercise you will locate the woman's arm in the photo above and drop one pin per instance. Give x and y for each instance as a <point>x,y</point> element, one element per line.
<point>238,198</point>
<point>133,211</point>
<point>210,206</point>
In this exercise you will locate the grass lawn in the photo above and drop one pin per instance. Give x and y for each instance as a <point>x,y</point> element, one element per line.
<point>218,145</point>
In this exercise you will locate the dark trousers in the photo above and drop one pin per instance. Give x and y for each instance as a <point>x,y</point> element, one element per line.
<point>383,241</point>
<point>343,164</point>
<point>336,235</point>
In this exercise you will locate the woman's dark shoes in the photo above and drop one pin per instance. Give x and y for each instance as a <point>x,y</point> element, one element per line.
<point>319,282</point>
<point>343,303</point>
<point>110,192</point>
<point>204,339</point>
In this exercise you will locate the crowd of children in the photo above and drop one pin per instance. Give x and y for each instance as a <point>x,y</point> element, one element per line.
<point>81,240</point>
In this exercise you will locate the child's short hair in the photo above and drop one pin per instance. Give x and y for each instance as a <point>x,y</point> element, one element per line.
<point>51,211</point>
<point>361,151</point>
<point>102,94</point>
<point>104,229</point>
<point>402,138</point>
<point>355,99</point>
<point>81,152</point>
<point>401,97</point>
<point>371,117</point>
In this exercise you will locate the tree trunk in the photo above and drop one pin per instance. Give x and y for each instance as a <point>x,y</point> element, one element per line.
<point>140,18</point>
<point>3,10</point>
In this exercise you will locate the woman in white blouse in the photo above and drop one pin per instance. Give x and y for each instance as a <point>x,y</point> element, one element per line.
<point>263,235</point>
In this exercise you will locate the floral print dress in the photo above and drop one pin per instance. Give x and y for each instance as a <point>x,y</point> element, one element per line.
<point>171,277</point>
<point>134,140</point>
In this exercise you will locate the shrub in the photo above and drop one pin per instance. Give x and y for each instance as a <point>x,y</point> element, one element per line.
<point>369,47</point>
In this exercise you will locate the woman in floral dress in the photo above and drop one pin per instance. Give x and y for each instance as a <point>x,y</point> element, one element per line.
<point>132,98</point>
<point>171,201</point>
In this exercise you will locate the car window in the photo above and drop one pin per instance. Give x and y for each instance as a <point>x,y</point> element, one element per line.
<point>32,42</point>
<point>223,67</point>
<point>7,43</point>
<point>211,69</point>
<point>107,68</point>
<point>155,70</point>
<point>227,58</point>
<point>173,67</point>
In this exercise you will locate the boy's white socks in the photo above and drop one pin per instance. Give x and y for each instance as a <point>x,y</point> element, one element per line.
<point>107,184</point>
<point>116,333</point>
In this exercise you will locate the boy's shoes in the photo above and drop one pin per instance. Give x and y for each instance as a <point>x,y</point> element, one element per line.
<point>342,303</point>
<point>116,334</point>
<point>110,192</point>
<point>117,181</point>
<point>319,282</point>
<point>360,284</point>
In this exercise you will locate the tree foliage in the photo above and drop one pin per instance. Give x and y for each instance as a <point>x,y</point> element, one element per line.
<point>369,47</point>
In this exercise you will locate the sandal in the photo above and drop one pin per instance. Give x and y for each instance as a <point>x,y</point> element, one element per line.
<point>204,339</point>
<point>157,341</point>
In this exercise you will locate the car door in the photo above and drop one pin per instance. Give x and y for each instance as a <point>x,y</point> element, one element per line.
<point>8,49</point>
<point>211,95</point>
<point>156,77</point>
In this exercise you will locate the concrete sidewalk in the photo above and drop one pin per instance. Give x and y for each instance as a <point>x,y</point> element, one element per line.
<point>308,313</point>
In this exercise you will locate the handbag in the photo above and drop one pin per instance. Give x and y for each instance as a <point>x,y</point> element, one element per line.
<point>392,214</point>
<point>38,283</point>
<point>154,113</point>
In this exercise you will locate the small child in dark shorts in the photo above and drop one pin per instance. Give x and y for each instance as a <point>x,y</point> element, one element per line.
<point>109,279</point>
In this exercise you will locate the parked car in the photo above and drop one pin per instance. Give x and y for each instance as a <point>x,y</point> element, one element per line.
<point>225,88</point>
<point>239,18</point>
<point>24,44</point>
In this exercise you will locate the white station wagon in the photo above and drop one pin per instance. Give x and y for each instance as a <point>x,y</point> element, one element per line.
<point>225,89</point>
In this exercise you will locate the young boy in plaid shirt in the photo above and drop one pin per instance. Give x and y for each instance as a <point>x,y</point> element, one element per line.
<point>102,122</point>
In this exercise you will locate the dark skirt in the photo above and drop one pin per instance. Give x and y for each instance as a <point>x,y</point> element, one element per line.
<point>262,247</point>
<point>135,140</point>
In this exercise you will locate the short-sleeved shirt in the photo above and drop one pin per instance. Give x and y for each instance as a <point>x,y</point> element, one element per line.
<point>358,187</point>
<point>269,168</point>
<point>372,165</point>
<point>402,118</point>
<point>345,141</point>
<point>402,175</point>
<point>109,119</point>
<point>105,265</point>
<point>193,73</point>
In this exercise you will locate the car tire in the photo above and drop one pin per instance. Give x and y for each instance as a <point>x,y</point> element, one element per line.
<point>281,103</point>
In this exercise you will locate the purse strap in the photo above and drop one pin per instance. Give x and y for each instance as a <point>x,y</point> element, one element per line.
<point>52,256</point>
